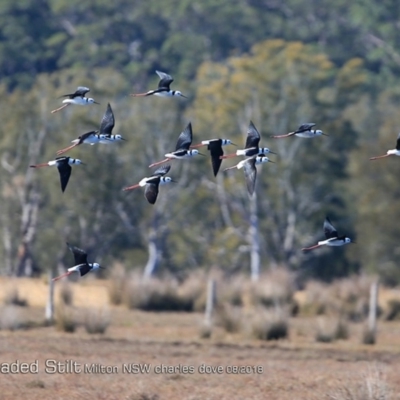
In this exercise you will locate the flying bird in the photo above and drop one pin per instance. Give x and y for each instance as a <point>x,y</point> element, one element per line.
<point>304,131</point>
<point>394,152</point>
<point>251,147</point>
<point>76,98</point>
<point>63,165</point>
<point>152,183</point>
<point>332,237</point>
<point>104,135</point>
<point>163,89</point>
<point>250,170</point>
<point>182,149</point>
<point>216,151</point>
<point>81,264</point>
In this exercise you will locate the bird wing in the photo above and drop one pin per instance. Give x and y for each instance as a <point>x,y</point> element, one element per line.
<point>216,152</point>
<point>162,170</point>
<point>108,121</point>
<point>151,191</point>
<point>185,138</point>
<point>253,136</point>
<point>84,269</point>
<point>165,80</point>
<point>398,142</point>
<point>79,92</point>
<point>86,135</point>
<point>305,127</point>
<point>329,230</point>
<point>64,169</point>
<point>80,255</point>
<point>250,173</point>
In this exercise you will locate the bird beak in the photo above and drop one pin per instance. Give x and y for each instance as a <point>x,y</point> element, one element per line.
<point>273,152</point>
<point>233,144</point>
<point>325,134</point>
<point>123,139</point>
<point>172,181</point>
<point>102,267</point>
<point>200,154</point>
<point>95,102</point>
<point>82,163</point>
<point>184,96</point>
<point>273,162</point>
<point>353,242</point>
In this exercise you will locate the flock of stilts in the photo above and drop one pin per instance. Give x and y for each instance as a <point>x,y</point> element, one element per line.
<point>183,149</point>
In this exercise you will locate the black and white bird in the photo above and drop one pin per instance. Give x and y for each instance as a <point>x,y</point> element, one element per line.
<point>63,165</point>
<point>152,183</point>
<point>216,151</point>
<point>182,149</point>
<point>163,89</point>
<point>81,264</point>
<point>332,237</point>
<point>77,98</point>
<point>394,152</point>
<point>250,170</point>
<point>304,131</point>
<point>251,147</point>
<point>104,135</point>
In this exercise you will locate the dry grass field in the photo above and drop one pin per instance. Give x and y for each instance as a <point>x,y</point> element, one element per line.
<point>182,365</point>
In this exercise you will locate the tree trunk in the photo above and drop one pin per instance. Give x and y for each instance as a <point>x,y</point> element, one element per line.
<point>253,239</point>
<point>50,298</point>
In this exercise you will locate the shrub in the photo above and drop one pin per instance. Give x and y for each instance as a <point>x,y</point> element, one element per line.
<point>66,294</point>
<point>156,295</point>
<point>393,312</point>
<point>10,318</point>
<point>97,321</point>
<point>229,318</point>
<point>12,298</point>
<point>270,327</point>
<point>116,286</point>
<point>65,320</point>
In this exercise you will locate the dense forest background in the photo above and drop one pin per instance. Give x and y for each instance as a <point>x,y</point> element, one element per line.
<point>276,63</point>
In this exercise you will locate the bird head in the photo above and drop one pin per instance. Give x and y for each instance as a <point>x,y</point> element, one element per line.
<point>227,141</point>
<point>78,161</point>
<point>348,240</point>
<point>263,159</point>
<point>166,179</point>
<point>178,93</point>
<point>318,132</point>
<point>119,137</point>
<point>91,101</point>
<point>193,152</point>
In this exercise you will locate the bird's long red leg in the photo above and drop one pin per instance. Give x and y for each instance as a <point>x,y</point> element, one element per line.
<point>60,108</point>
<point>40,165</point>
<point>227,156</point>
<point>62,276</point>
<point>226,169</point>
<point>131,187</point>
<point>283,136</point>
<point>159,162</point>
<point>311,248</point>
<point>141,94</point>
<point>197,145</point>
<point>376,158</point>
<point>62,151</point>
